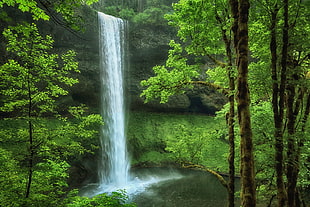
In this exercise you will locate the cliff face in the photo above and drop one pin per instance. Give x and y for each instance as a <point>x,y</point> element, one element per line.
<point>147,47</point>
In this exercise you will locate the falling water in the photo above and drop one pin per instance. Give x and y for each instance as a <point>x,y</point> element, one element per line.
<point>114,166</point>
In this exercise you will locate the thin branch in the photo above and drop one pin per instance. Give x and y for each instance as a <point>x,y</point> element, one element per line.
<point>219,88</point>
<point>217,62</point>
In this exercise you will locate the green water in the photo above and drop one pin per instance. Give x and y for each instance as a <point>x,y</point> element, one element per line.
<point>194,189</point>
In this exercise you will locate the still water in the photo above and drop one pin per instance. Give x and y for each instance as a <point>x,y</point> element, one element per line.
<point>185,188</point>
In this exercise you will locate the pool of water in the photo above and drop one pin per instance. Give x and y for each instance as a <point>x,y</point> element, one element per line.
<point>169,187</point>
<point>191,189</point>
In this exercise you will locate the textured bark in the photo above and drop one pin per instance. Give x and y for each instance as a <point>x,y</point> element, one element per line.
<point>234,4</point>
<point>278,108</point>
<point>248,194</point>
<point>231,140</point>
<point>231,114</point>
<point>295,96</point>
<point>285,41</point>
<point>292,154</point>
<point>231,123</point>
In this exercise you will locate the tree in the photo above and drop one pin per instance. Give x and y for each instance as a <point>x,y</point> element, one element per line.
<point>199,25</point>
<point>248,197</point>
<point>46,10</point>
<point>285,56</point>
<point>31,81</point>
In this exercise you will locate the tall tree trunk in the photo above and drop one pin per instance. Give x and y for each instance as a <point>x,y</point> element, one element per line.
<point>231,123</point>
<point>248,194</point>
<point>278,109</point>
<point>285,40</point>
<point>30,160</point>
<point>30,140</point>
<point>231,114</point>
<point>292,145</point>
<point>291,148</point>
<point>231,140</point>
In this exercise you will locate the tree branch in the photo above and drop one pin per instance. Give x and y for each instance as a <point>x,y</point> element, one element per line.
<point>219,88</point>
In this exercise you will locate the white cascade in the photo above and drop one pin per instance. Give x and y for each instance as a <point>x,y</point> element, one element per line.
<point>113,169</point>
<point>114,164</point>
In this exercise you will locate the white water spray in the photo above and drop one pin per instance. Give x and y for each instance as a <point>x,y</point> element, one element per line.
<point>114,166</point>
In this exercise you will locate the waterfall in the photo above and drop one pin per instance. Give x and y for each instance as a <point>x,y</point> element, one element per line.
<point>114,164</point>
<point>113,169</point>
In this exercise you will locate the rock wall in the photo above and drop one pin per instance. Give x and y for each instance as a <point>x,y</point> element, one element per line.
<point>147,47</point>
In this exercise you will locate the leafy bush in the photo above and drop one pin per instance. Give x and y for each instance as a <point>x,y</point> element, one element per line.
<point>115,199</point>
<point>158,137</point>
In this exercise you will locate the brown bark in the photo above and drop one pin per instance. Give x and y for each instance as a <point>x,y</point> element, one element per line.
<point>231,140</point>
<point>234,4</point>
<point>248,194</point>
<point>278,108</point>
<point>231,114</point>
<point>231,120</point>
<point>292,155</point>
<point>294,142</point>
<point>285,40</point>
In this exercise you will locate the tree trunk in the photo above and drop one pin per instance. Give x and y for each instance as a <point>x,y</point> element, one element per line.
<point>231,123</point>
<point>231,114</point>
<point>283,82</point>
<point>278,108</point>
<point>30,138</point>
<point>30,161</point>
<point>292,152</point>
<point>240,12</point>
<point>248,194</point>
<point>231,140</point>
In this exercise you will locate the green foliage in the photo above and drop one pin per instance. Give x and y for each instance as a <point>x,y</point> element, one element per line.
<point>115,199</point>
<point>27,6</point>
<point>196,24</point>
<point>155,157</point>
<point>10,180</point>
<point>49,183</point>
<point>218,76</point>
<point>202,26</point>
<point>126,13</point>
<point>152,15</point>
<point>34,75</point>
<point>39,149</point>
<point>68,9</point>
<point>138,12</point>
<point>172,78</point>
<point>160,138</point>
<point>261,115</point>
<point>57,142</point>
<point>187,145</point>
<point>201,36</point>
